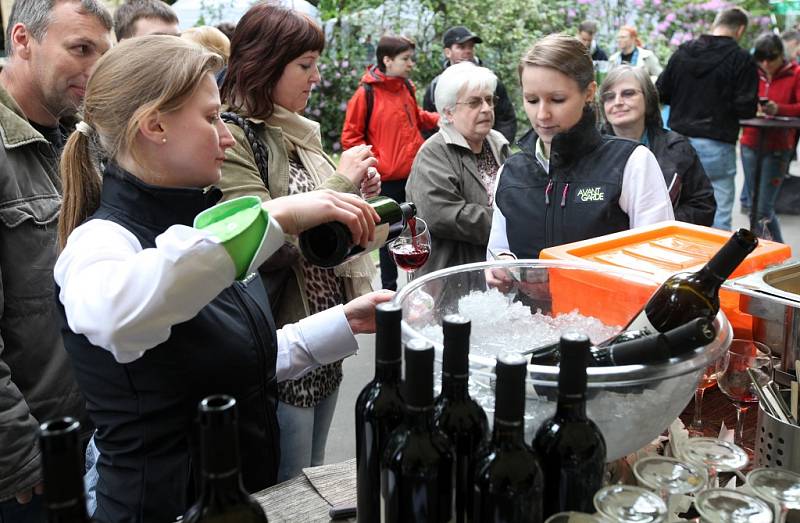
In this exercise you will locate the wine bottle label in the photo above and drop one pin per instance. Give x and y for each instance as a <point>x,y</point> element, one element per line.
<point>641,323</point>
<point>381,235</point>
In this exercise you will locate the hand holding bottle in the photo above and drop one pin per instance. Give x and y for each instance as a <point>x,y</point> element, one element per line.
<point>299,212</point>
<point>360,312</point>
<point>354,163</point>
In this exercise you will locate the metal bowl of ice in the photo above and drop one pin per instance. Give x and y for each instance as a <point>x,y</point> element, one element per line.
<point>632,404</point>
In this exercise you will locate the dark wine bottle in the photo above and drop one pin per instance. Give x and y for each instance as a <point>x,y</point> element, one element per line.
<point>331,244</point>
<point>223,498</point>
<point>379,410</point>
<point>456,413</point>
<point>417,467</point>
<point>689,295</point>
<point>641,347</point>
<point>570,446</point>
<point>62,471</point>
<point>508,483</point>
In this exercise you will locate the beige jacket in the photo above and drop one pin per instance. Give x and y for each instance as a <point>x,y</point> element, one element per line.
<point>240,177</point>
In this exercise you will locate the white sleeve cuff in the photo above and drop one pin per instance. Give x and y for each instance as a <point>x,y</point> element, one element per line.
<point>328,335</point>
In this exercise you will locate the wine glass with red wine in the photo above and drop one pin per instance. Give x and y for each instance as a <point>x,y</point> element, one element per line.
<point>411,249</point>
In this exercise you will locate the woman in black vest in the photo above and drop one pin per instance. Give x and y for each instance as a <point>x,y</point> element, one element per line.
<point>569,182</point>
<point>154,320</point>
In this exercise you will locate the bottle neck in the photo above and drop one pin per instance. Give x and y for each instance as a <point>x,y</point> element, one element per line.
<point>508,433</point>
<point>455,387</point>
<point>571,407</point>
<point>388,372</point>
<point>711,280</point>
<point>227,487</point>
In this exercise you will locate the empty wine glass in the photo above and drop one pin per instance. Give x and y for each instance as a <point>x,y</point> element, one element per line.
<point>669,476</point>
<point>777,485</point>
<point>627,504</point>
<point>411,249</point>
<point>715,455</point>
<point>719,505</point>
<point>708,380</point>
<point>734,380</point>
<point>574,517</point>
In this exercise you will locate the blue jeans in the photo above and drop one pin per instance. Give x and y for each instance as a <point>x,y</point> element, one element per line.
<point>304,433</point>
<point>719,161</point>
<point>13,512</point>
<point>91,476</point>
<point>774,166</point>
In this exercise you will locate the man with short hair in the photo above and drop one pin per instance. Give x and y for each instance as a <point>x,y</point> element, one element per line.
<point>459,46</point>
<point>791,45</point>
<point>53,45</point>
<point>145,17</point>
<point>586,32</point>
<point>711,83</point>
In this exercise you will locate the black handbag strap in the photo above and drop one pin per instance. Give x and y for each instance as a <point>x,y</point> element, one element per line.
<point>260,151</point>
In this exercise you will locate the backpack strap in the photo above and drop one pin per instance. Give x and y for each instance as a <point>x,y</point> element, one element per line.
<point>260,151</point>
<point>368,90</point>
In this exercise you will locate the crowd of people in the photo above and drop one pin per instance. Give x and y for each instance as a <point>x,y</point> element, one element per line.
<point>116,310</point>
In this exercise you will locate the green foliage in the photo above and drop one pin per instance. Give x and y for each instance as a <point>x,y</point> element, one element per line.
<point>507,27</point>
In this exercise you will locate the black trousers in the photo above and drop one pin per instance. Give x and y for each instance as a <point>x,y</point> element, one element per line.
<point>396,190</point>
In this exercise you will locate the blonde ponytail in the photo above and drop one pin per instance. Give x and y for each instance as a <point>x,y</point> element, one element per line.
<point>80,180</point>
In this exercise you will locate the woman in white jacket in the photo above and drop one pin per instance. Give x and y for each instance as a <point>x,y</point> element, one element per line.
<point>631,52</point>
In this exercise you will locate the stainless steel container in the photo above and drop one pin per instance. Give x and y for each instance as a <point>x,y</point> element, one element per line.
<point>777,442</point>
<point>772,297</point>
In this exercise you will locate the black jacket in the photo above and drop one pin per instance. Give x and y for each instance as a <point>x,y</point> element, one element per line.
<point>576,200</point>
<point>505,119</point>
<point>599,55</point>
<point>689,187</point>
<point>144,410</point>
<point>710,84</point>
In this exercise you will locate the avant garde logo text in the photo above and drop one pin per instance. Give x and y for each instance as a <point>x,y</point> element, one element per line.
<point>590,194</point>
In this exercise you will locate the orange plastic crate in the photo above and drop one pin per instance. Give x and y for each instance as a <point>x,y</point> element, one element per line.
<point>655,252</point>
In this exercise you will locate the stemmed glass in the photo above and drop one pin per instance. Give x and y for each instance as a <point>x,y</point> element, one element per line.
<point>669,476</point>
<point>708,380</point>
<point>777,485</point>
<point>734,380</point>
<point>627,504</point>
<point>719,505</point>
<point>411,249</point>
<point>714,454</point>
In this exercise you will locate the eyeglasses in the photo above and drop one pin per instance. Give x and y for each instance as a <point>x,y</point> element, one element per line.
<point>625,94</point>
<point>475,103</point>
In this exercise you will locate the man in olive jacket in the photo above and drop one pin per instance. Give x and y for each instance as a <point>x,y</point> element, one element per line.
<point>52,46</point>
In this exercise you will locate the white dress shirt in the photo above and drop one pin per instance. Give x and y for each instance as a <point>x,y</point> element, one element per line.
<point>125,299</point>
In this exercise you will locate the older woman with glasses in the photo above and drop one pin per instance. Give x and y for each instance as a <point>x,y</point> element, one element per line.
<point>629,104</point>
<point>453,176</point>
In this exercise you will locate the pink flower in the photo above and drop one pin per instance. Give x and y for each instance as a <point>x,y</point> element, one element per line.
<point>638,3</point>
<point>571,13</point>
<point>670,17</point>
<point>336,146</point>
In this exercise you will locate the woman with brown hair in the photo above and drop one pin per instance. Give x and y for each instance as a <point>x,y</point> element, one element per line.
<point>278,152</point>
<point>569,182</point>
<point>153,319</point>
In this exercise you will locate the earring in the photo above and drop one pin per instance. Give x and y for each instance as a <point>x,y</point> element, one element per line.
<point>163,140</point>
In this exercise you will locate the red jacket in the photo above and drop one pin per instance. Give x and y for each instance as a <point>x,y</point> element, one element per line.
<point>394,126</point>
<point>784,90</point>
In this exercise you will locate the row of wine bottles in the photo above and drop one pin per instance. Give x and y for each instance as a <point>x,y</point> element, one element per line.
<point>432,460</point>
<point>222,498</point>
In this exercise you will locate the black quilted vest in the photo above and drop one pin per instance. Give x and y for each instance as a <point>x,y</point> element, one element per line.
<point>145,410</point>
<point>576,200</point>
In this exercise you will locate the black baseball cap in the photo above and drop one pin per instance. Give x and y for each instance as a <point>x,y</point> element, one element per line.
<point>458,35</point>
